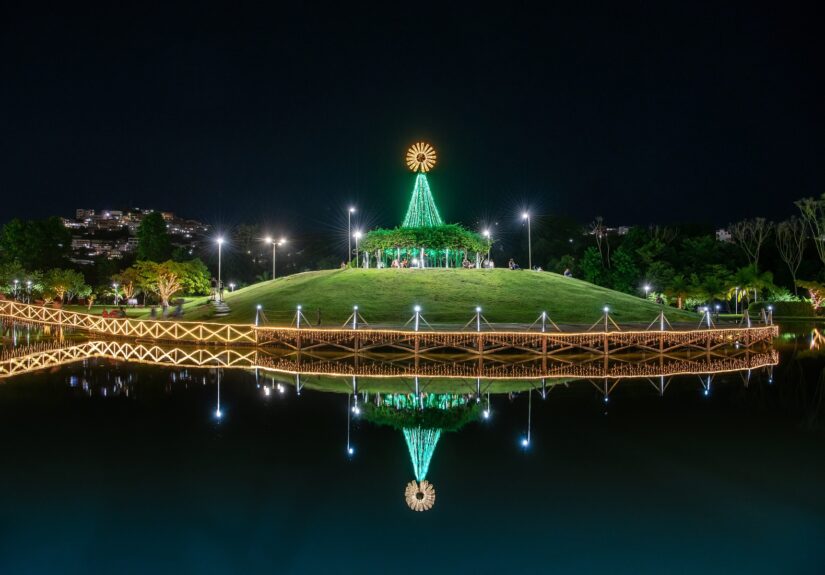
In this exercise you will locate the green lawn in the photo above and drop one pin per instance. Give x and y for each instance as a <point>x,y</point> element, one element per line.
<point>387,296</point>
<point>190,303</point>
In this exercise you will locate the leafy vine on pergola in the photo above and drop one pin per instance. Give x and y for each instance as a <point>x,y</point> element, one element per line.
<point>446,237</point>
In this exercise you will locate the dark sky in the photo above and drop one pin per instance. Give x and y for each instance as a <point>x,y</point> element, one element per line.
<point>638,112</point>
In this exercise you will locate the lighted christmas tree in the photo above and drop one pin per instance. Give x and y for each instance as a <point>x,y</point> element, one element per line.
<point>422,212</point>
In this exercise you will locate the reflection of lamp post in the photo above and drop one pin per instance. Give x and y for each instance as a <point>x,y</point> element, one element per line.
<point>349,235</point>
<point>525,442</point>
<point>220,285</point>
<point>350,448</point>
<point>487,235</point>
<point>117,294</point>
<point>218,412</point>
<point>526,216</point>
<point>357,236</point>
<point>28,291</point>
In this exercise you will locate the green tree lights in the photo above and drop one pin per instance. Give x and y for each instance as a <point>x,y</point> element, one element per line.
<point>422,211</point>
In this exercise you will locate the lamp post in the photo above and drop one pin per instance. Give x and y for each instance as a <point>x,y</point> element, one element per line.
<point>115,286</point>
<point>736,300</point>
<point>349,236</point>
<point>357,236</point>
<point>526,216</point>
<point>15,288</point>
<point>487,235</point>
<point>647,290</point>
<point>220,285</point>
<point>275,244</point>
<point>28,291</point>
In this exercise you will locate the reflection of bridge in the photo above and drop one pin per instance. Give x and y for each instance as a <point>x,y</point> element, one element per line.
<point>32,358</point>
<point>482,343</point>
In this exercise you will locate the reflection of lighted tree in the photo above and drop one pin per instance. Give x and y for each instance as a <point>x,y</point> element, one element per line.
<point>422,418</point>
<point>421,444</point>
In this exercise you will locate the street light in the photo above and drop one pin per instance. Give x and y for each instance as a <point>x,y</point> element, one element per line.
<point>231,286</point>
<point>487,235</point>
<point>220,285</point>
<point>15,288</point>
<point>647,290</point>
<point>736,300</point>
<point>349,236</point>
<point>115,286</point>
<point>275,244</point>
<point>526,216</point>
<point>357,236</point>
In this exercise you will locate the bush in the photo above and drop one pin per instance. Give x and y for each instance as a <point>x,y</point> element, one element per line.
<point>783,309</point>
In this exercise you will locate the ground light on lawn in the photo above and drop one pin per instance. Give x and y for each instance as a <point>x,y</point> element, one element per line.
<point>388,296</point>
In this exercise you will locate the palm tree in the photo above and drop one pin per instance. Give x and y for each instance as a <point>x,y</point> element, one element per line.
<point>680,288</point>
<point>747,281</point>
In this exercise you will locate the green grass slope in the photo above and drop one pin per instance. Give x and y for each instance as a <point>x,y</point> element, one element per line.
<point>387,296</point>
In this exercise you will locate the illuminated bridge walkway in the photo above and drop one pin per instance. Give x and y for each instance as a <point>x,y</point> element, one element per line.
<point>27,359</point>
<point>612,339</point>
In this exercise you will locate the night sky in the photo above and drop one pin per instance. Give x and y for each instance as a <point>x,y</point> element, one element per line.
<point>638,112</point>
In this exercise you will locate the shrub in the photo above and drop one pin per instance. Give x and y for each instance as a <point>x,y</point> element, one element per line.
<point>783,309</point>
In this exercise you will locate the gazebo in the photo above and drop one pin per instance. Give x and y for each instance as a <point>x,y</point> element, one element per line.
<point>423,240</point>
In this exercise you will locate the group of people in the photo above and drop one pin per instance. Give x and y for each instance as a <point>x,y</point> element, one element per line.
<point>405,263</point>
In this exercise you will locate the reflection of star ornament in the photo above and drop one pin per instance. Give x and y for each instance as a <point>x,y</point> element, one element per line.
<point>421,157</point>
<point>420,496</point>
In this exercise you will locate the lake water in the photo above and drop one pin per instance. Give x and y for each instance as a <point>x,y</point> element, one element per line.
<point>117,467</point>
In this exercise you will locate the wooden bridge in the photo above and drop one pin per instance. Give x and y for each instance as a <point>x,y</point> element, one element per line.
<point>659,338</point>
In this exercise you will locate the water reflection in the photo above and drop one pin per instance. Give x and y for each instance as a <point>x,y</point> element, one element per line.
<point>423,398</point>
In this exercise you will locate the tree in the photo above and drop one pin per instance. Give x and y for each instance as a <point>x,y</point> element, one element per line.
<point>153,238</point>
<point>169,278</point>
<point>162,279</point>
<point>599,231</point>
<point>813,212</point>
<point>62,283</point>
<point>194,277</point>
<point>748,280</point>
<point>592,267</point>
<point>9,272</point>
<point>712,284</point>
<point>36,244</point>
<point>129,282</point>
<point>680,288</point>
<point>624,274</point>
<point>749,235</point>
<point>790,241</point>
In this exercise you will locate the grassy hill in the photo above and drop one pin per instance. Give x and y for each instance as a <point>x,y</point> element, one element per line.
<point>387,296</point>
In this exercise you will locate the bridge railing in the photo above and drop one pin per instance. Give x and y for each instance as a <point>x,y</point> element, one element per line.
<point>161,330</point>
<point>361,339</point>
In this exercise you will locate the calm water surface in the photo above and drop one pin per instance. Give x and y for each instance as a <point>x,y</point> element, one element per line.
<point>112,467</point>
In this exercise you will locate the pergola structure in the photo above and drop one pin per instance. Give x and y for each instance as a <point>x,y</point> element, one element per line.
<point>423,239</point>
